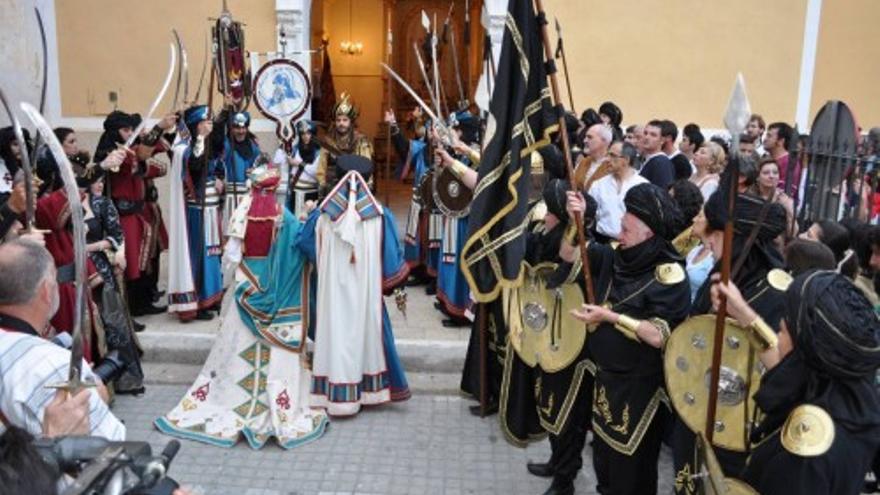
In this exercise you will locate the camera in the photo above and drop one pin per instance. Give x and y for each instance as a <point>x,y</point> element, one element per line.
<point>109,468</point>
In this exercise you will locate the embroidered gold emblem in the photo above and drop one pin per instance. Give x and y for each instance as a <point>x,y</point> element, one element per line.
<point>669,273</point>
<point>605,410</point>
<point>779,279</point>
<point>808,431</point>
<point>684,480</point>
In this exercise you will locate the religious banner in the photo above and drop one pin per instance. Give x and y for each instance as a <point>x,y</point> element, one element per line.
<point>283,93</point>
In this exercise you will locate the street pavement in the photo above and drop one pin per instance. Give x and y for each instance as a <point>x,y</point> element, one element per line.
<point>428,445</point>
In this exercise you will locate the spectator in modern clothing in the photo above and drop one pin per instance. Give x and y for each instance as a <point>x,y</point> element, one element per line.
<point>29,362</point>
<point>657,168</point>
<point>610,190</point>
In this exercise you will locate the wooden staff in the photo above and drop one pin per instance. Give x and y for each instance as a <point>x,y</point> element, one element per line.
<point>566,151</point>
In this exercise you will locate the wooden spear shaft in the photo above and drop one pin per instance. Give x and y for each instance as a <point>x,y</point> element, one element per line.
<point>566,152</point>
<point>726,261</point>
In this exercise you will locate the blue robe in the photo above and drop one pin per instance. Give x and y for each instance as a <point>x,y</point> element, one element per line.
<point>205,250</point>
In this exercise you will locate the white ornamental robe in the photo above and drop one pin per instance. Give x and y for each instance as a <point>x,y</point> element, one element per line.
<point>349,367</point>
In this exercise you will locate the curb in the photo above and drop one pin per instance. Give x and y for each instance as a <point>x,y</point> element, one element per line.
<point>192,348</point>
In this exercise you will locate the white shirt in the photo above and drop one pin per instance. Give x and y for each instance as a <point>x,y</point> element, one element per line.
<point>609,195</point>
<point>27,365</point>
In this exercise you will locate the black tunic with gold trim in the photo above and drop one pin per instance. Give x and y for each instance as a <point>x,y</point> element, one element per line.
<point>822,424</point>
<point>648,284</point>
<point>762,283</point>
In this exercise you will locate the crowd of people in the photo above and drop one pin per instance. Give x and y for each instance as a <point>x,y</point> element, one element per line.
<point>279,244</point>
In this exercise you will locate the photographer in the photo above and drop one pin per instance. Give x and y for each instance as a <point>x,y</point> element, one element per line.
<point>29,362</point>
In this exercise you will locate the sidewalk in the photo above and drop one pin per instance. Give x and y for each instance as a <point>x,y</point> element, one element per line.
<point>427,445</point>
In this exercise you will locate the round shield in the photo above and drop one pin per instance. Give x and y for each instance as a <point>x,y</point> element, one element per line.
<point>283,93</point>
<point>541,328</point>
<point>426,190</point>
<point>687,366</point>
<point>451,196</point>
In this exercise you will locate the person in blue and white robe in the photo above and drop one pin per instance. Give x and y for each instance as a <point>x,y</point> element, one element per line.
<point>356,251</point>
<point>195,282</point>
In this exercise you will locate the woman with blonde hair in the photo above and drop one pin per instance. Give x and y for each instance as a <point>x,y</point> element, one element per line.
<point>709,161</point>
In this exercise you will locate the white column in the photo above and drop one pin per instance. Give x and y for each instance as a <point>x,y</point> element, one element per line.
<point>294,18</point>
<point>808,64</point>
<point>496,13</point>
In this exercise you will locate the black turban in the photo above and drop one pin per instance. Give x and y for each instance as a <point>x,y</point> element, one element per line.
<point>746,213</point>
<point>117,120</point>
<point>655,207</point>
<point>833,325</point>
<point>555,198</point>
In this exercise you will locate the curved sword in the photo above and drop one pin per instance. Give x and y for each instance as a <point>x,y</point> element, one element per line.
<point>204,69</point>
<point>444,131</point>
<point>185,69</point>
<point>74,377</point>
<point>172,62</point>
<point>45,60</point>
<point>25,164</point>
<point>179,46</point>
<point>425,76</point>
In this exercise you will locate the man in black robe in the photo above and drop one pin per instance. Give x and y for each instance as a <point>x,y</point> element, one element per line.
<point>647,298</point>
<point>821,427</point>
<point>757,269</point>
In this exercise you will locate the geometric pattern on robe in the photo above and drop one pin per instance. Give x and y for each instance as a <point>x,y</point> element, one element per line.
<point>256,380</point>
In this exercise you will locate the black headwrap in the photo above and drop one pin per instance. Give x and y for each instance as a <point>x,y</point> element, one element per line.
<point>655,207</point>
<point>833,325</point>
<point>110,138</point>
<point>836,337</point>
<point>555,198</point>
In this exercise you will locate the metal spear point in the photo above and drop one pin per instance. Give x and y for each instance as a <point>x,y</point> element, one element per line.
<point>736,118</point>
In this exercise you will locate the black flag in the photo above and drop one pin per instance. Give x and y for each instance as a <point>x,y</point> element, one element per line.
<point>521,118</point>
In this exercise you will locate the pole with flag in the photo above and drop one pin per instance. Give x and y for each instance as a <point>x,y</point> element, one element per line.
<point>566,149</point>
<point>560,53</point>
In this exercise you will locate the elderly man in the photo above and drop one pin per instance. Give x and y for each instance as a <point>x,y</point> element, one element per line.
<point>629,325</point>
<point>593,165</point>
<point>28,362</point>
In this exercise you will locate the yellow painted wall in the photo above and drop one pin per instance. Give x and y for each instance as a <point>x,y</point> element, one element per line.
<point>678,59</point>
<point>122,45</point>
<point>848,58</point>
<point>656,58</point>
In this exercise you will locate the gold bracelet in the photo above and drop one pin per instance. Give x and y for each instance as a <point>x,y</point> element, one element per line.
<point>761,335</point>
<point>628,326</point>
<point>570,234</point>
<point>458,168</point>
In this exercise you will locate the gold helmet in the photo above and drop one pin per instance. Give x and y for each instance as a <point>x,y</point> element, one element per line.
<point>345,107</point>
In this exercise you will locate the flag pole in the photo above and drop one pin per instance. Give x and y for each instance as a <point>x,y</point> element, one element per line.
<point>566,149</point>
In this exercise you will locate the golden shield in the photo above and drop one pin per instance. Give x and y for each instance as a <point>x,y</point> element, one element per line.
<point>687,367</point>
<point>541,330</point>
